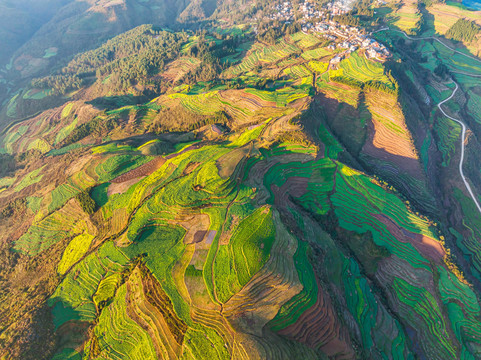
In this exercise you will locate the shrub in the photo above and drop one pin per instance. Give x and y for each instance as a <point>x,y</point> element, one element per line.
<point>14,207</point>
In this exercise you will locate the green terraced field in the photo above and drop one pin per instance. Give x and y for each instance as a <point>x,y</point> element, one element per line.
<point>262,54</point>
<point>448,132</point>
<point>314,54</point>
<point>11,136</point>
<point>358,68</point>
<point>281,97</point>
<point>73,299</point>
<point>31,178</point>
<point>120,335</point>
<point>305,40</point>
<point>474,105</point>
<point>246,254</point>
<point>115,166</point>
<point>273,238</point>
<point>294,308</point>
<point>77,247</point>
<point>203,104</point>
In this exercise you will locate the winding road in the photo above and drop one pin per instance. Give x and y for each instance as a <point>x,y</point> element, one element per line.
<point>463,136</point>
<point>463,126</point>
<point>430,38</point>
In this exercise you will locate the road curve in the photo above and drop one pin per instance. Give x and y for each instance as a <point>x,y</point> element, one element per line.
<point>430,38</point>
<point>463,126</point>
<point>463,136</point>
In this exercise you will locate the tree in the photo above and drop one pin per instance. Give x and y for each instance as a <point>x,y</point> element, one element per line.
<point>463,30</point>
<point>442,71</point>
<point>86,202</point>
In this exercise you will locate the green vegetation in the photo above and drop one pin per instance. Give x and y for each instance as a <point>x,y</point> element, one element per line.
<point>293,309</point>
<point>247,252</point>
<point>86,202</point>
<point>162,242</point>
<point>31,178</point>
<point>116,165</point>
<point>58,226</point>
<point>77,247</point>
<point>448,133</point>
<point>61,195</point>
<point>232,193</point>
<point>128,58</point>
<point>73,299</point>
<point>122,335</point>
<point>463,30</point>
<point>280,97</point>
<point>357,71</point>
<point>99,194</point>
<point>98,126</point>
<point>318,66</point>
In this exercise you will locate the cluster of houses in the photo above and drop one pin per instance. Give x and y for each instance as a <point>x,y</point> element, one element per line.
<point>339,7</point>
<point>345,38</point>
<point>283,12</point>
<point>350,38</point>
<point>309,11</point>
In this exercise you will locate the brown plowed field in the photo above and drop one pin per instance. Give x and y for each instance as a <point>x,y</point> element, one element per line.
<point>390,131</point>
<point>294,186</point>
<point>319,325</point>
<point>142,170</point>
<point>120,188</point>
<point>178,68</point>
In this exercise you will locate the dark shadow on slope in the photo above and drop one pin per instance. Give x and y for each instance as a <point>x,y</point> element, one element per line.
<point>354,129</point>
<point>115,102</point>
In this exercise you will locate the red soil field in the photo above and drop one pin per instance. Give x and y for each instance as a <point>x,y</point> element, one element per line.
<point>319,326</point>
<point>142,170</point>
<point>427,246</point>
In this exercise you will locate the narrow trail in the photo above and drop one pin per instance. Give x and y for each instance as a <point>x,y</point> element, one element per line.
<point>463,126</point>
<point>463,136</point>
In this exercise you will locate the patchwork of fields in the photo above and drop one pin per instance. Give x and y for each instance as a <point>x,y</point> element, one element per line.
<point>274,220</point>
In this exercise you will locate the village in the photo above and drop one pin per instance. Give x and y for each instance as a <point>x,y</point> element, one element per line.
<point>344,38</point>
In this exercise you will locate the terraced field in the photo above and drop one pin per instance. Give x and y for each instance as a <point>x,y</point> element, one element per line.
<point>235,252</point>
<point>261,54</point>
<point>305,40</point>
<point>474,105</point>
<point>445,16</point>
<point>448,133</point>
<point>293,232</point>
<point>314,54</point>
<point>358,68</point>
<point>391,132</point>
<point>407,17</point>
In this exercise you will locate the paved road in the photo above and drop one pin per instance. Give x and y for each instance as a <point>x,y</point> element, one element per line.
<point>463,136</point>
<point>430,38</point>
<point>463,126</point>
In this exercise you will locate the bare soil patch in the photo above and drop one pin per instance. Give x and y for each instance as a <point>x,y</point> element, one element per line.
<point>141,171</point>
<point>319,325</point>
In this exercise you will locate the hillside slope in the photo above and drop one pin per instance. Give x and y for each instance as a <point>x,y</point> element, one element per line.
<point>220,194</point>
